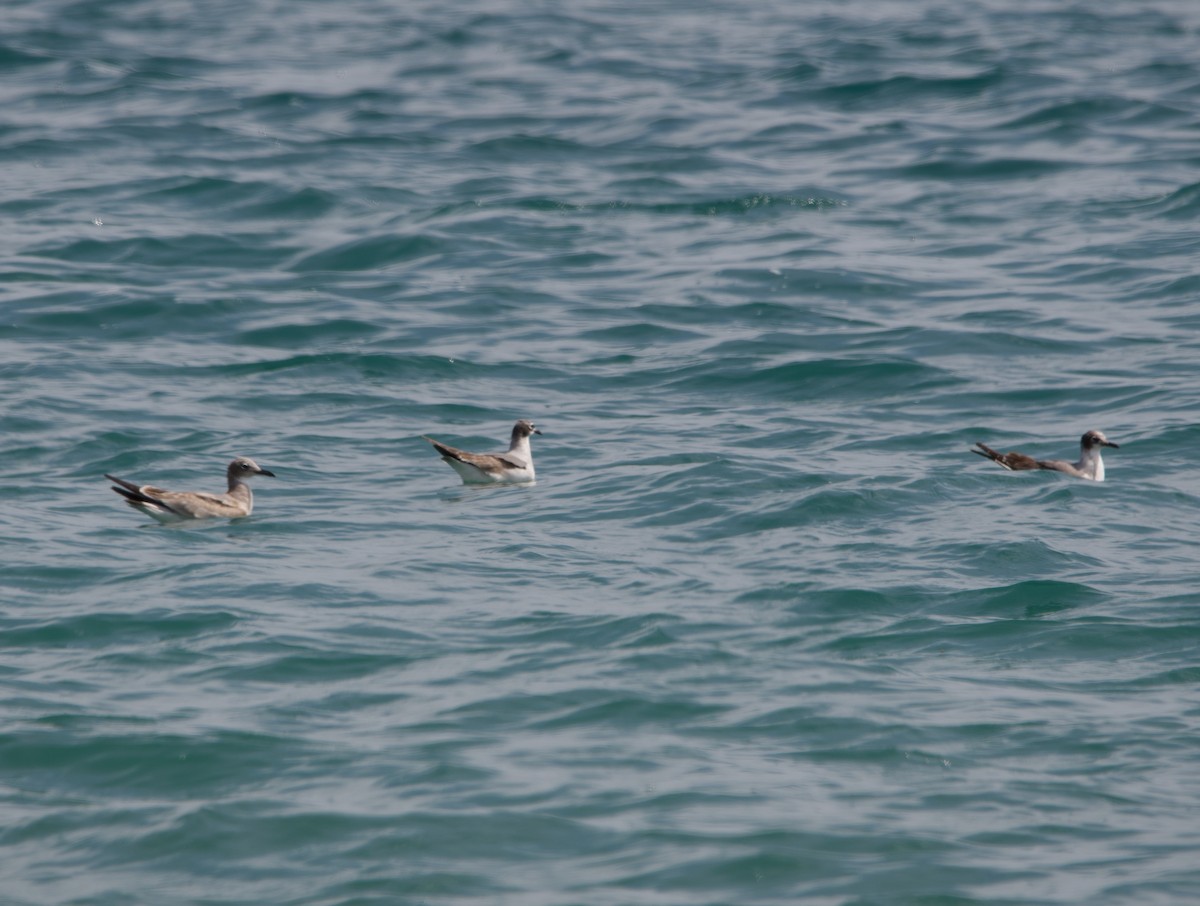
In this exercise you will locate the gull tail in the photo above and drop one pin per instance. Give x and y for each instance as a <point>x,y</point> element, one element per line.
<point>134,497</point>
<point>448,452</point>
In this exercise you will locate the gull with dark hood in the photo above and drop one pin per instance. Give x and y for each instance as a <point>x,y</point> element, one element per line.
<point>513,466</point>
<point>1090,465</point>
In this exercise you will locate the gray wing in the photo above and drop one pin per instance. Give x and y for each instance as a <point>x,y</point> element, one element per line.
<point>1014,462</point>
<point>485,462</point>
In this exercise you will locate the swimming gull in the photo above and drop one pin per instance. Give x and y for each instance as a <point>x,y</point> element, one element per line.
<point>489,468</point>
<point>177,506</point>
<point>1090,465</point>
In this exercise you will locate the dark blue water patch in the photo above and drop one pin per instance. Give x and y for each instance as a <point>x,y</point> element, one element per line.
<point>1032,319</point>
<point>1173,71</point>
<point>143,762</point>
<point>759,202</point>
<point>498,836</point>
<point>714,867</point>
<point>204,839</point>
<point>57,578</point>
<point>825,379</point>
<point>85,828</point>
<point>280,663</point>
<point>909,91</point>
<point>325,372</point>
<point>1187,677</point>
<point>703,312</point>
<point>1072,119</point>
<point>300,336</point>
<point>295,105</point>
<point>131,314</point>
<point>648,186</point>
<point>1084,29</point>
<point>763,204</point>
<point>470,217</point>
<point>665,657</point>
<point>667,498</point>
<point>1066,640</point>
<point>490,186</point>
<point>999,343</point>
<point>354,150</point>
<point>921,343</point>
<point>14,59</point>
<point>1171,436</point>
<point>1066,398</point>
<point>1136,281</point>
<point>784,873</point>
<point>197,250</point>
<point>932,637</point>
<point>101,630</point>
<point>494,238</point>
<point>526,149</point>
<point>973,250</point>
<point>982,169</point>
<point>1031,599</point>
<point>414,885</point>
<point>1168,886</point>
<point>372,253</point>
<point>240,199</point>
<point>627,713</point>
<point>572,630</point>
<point>824,508</point>
<point>120,449</point>
<point>640,334</point>
<point>367,365</point>
<point>1167,290</point>
<point>578,707</point>
<point>678,162</point>
<point>557,264</point>
<point>1181,204</point>
<point>194,144</point>
<point>804,283</point>
<point>810,600</point>
<point>806,722</point>
<point>791,72</point>
<point>177,70</point>
<point>1002,558</point>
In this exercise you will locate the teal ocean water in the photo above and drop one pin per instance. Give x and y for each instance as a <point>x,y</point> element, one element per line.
<point>763,631</point>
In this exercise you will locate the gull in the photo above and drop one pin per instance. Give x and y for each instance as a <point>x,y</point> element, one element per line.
<point>1090,465</point>
<point>490,468</point>
<point>178,506</point>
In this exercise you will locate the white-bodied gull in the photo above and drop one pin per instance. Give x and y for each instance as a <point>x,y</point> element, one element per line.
<point>490,468</point>
<point>1090,465</point>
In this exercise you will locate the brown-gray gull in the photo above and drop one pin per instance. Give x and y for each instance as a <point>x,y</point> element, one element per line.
<point>178,506</point>
<point>1090,465</point>
<point>490,468</point>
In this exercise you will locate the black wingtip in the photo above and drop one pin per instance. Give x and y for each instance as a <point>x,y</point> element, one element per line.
<point>128,485</point>
<point>136,498</point>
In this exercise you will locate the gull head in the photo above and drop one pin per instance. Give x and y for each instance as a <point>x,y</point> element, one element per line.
<point>244,467</point>
<point>1097,439</point>
<point>524,428</point>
